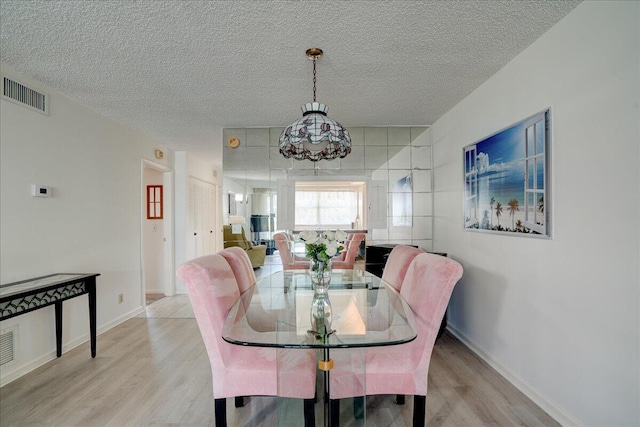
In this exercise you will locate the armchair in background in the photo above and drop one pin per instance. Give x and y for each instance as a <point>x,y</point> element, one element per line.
<point>256,253</point>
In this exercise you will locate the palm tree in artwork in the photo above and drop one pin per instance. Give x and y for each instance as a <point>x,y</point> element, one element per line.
<point>513,208</point>
<point>498,211</point>
<point>491,203</point>
<point>541,204</point>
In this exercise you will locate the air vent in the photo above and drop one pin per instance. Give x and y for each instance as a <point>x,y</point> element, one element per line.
<point>7,347</point>
<point>25,96</point>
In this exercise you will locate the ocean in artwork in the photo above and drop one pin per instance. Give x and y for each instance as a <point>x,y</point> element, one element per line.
<point>500,166</point>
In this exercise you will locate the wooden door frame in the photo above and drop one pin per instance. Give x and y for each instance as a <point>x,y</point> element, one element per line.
<point>169,286</point>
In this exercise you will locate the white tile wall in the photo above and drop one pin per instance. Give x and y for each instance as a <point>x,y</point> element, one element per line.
<point>257,157</point>
<point>257,137</point>
<point>426,245</point>
<point>422,204</point>
<point>380,175</point>
<point>381,153</point>
<point>375,136</point>
<point>234,159</point>
<point>277,160</point>
<point>399,157</point>
<point>421,157</point>
<point>420,136</point>
<point>375,157</point>
<point>357,135</point>
<point>394,177</point>
<point>399,136</point>
<point>400,232</point>
<point>422,181</point>
<point>274,136</point>
<point>355,160</point>
<point>422,228</point>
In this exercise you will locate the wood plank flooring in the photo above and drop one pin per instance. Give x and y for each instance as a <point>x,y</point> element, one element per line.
<point>153,371</point>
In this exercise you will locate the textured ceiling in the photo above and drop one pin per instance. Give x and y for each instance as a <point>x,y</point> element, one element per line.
<point>180,71</point>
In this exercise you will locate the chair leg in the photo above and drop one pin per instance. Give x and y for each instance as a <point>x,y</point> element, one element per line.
<point>358,407</point>
<point>309,413</point>
<point>335,413</point>
<point>239,401</point>
<point>419,410</point>
<point>399,399</point>
<point>221,412</point>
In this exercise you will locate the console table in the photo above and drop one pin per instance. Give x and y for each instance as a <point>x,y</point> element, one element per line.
<point>28,295</point>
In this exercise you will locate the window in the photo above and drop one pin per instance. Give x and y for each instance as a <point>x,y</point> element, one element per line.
<point>470,186</point>
<point>329,204</point>
<point>506,179</point>
<point>534,174</point>
<point>154,201</point>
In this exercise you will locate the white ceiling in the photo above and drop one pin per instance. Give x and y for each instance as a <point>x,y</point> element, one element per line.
<point>181,71</point>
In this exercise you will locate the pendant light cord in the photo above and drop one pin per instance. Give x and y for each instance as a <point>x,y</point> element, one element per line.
<point>314,79</point>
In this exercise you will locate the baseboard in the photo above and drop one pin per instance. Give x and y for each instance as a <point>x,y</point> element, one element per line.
<point>130,315</point>
<point>20,370</point>
<point>554,411</point>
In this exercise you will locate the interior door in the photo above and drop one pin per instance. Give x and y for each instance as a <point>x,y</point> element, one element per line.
<point>201,237</point>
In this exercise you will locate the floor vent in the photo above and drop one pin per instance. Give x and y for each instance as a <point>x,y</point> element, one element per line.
<point>25,96</point>
<point>7,346</point>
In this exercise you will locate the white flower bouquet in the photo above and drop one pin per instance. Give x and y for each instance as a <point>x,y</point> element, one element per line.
<point>321,247</point>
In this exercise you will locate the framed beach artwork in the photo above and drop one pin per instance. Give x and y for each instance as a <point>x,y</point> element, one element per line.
<point>507,180</point>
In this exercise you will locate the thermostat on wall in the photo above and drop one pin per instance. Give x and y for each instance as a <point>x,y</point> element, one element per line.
<point>40,191</point>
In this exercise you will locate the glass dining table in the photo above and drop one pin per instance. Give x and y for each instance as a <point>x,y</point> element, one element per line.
<point>282,310</point>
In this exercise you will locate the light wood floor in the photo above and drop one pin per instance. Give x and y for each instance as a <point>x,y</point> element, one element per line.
<point>154,370</point>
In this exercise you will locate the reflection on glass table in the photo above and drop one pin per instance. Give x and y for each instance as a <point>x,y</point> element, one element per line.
<point>276,312</point>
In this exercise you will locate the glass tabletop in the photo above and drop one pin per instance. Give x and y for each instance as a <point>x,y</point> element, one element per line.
<point>276,312</point>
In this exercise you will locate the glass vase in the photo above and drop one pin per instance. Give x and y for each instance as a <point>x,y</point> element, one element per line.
<point>320,272</point>
<point>321,314</point>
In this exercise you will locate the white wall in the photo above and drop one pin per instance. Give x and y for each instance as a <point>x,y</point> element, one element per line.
<point>559,317</point>
<point>90,225</point>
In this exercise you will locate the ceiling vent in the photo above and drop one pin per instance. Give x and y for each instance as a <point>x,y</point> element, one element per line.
<point>25,96</point>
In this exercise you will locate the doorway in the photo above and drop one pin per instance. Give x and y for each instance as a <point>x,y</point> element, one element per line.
<point>156,232</point>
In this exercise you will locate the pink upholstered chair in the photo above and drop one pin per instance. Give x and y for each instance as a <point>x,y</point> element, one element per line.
<point>348,258</point>
<point>237,371</point>
<point>290,261</point>
<point>346,245</point>
<point>398,263</point>
<point>241,266</point>
<point>403,369</point>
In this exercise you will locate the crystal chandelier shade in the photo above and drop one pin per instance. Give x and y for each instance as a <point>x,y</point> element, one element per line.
<point>315,136</point>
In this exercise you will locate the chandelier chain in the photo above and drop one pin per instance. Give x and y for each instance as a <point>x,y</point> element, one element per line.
<point>314,79</point>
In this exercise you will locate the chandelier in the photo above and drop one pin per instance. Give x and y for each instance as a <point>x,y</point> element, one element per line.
<point>315,136</point>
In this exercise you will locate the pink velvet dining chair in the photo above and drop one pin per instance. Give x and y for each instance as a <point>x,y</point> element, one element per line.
<point>347,258</point>
<point>240,264</point>
<point>346,245</point>
<point>398,263</point>
<point>403,369</point>
<point>213,286</point>
<point>290,261</point>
